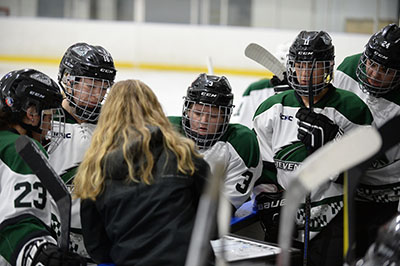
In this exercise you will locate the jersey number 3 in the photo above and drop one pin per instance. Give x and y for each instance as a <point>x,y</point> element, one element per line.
<point>242,187</point>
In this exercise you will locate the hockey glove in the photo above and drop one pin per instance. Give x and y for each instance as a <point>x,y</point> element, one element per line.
<point>315,130</point>
<point>280,85</point>
<point>51,255</point>
<point>268,208</point>
<point>275,81</point>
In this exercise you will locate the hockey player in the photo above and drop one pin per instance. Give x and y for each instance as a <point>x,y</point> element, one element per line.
<point>259,91</point>
<point>30,103</point>
<point>205,119</point>
<point>374,76</point>
<point>288,130</point>
<point>86,73</point>
<point>140,183</point>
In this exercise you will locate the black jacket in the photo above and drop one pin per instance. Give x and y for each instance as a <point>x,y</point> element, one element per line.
<point>138,224</point>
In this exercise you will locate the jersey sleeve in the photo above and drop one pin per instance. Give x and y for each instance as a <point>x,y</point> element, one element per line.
<point>25,205</point>
<point>255,94</point>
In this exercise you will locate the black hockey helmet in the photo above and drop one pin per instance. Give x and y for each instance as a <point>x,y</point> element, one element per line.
<point>382,52</point>
<point>212,90</point>
<point>82,59</point>
<point>310,45</point>
<point>209,92</point>
<point>83,70</point>
<point>309,48</point>
<point>23,88</point>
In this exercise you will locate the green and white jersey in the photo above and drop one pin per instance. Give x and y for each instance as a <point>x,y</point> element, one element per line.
<point>254,95</point>
<point>381,183</point>
<point>24,202</point>
<point>239,150</point>
<point>65,160</point>
<point>275,124</point>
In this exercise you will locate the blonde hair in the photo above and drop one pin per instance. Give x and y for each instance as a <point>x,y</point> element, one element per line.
<point>129,109</point>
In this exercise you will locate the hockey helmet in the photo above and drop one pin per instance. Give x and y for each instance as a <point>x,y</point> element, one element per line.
<point>86,72</point>
<point>207,109</point>
<point>312,53</point>
<point>379,65</point>
<point>21,89</point>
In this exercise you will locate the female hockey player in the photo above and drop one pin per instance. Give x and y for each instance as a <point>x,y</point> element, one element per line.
<point>374,76</point>
<point>292,124</point>
<point>86,73</point>
<point>30,104</point>
<point>140,183</point>
<point>205,119</point>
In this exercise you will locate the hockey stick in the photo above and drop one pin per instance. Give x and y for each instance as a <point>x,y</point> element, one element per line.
<point>35,159</point>
<point>205,218</point>
<point>210,66</point>
<point>307,202</point>
<point>329,160</point>
<point>265,58</point>
<point>390,137</point>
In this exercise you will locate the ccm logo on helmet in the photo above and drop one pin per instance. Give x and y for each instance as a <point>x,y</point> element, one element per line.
<point>305,53</point>
<point>208,94</point>
<point>37,94</point>
<point>106,70</point>
<point>380,55</point>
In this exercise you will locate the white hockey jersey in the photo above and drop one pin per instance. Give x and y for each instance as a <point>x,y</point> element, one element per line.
<point>381,183</point>
<point>65,161</point>
<point>275,124</point>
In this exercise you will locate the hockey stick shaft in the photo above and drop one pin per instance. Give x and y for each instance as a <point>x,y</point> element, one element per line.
<point>262,56</point>
<point>38,163</point>
<point>205,218</point>
<point>307,203</point>
<point>318,168</point>
<point>210,66</point>
<point>390,137</point>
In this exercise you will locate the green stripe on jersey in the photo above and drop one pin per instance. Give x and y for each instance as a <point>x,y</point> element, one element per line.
<point>258,85</point>
<point>12,235</point>
<point>245,143</point>
<point>345,102</point>
<point>348,104</point>
<point>239,136</point>
<point>9,155</point>
<point>287,98</point>
<point>349,65</point>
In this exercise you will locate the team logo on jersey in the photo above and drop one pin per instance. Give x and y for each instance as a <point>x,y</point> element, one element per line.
<point>286,117</point>
<point>286,166</point>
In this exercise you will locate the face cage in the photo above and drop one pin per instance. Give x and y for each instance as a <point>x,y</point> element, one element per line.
<point>369,70</point>
<point>52,127</point>
<point>87,95</point>
<point>320,81</point>
<point>204,119</point>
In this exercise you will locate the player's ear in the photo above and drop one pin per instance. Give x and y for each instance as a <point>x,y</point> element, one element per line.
<point>31,116</point>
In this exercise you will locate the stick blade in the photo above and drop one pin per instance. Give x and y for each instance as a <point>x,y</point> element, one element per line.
<point>265,58</point>
<point>335,157</point>
<point>353,148</point>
